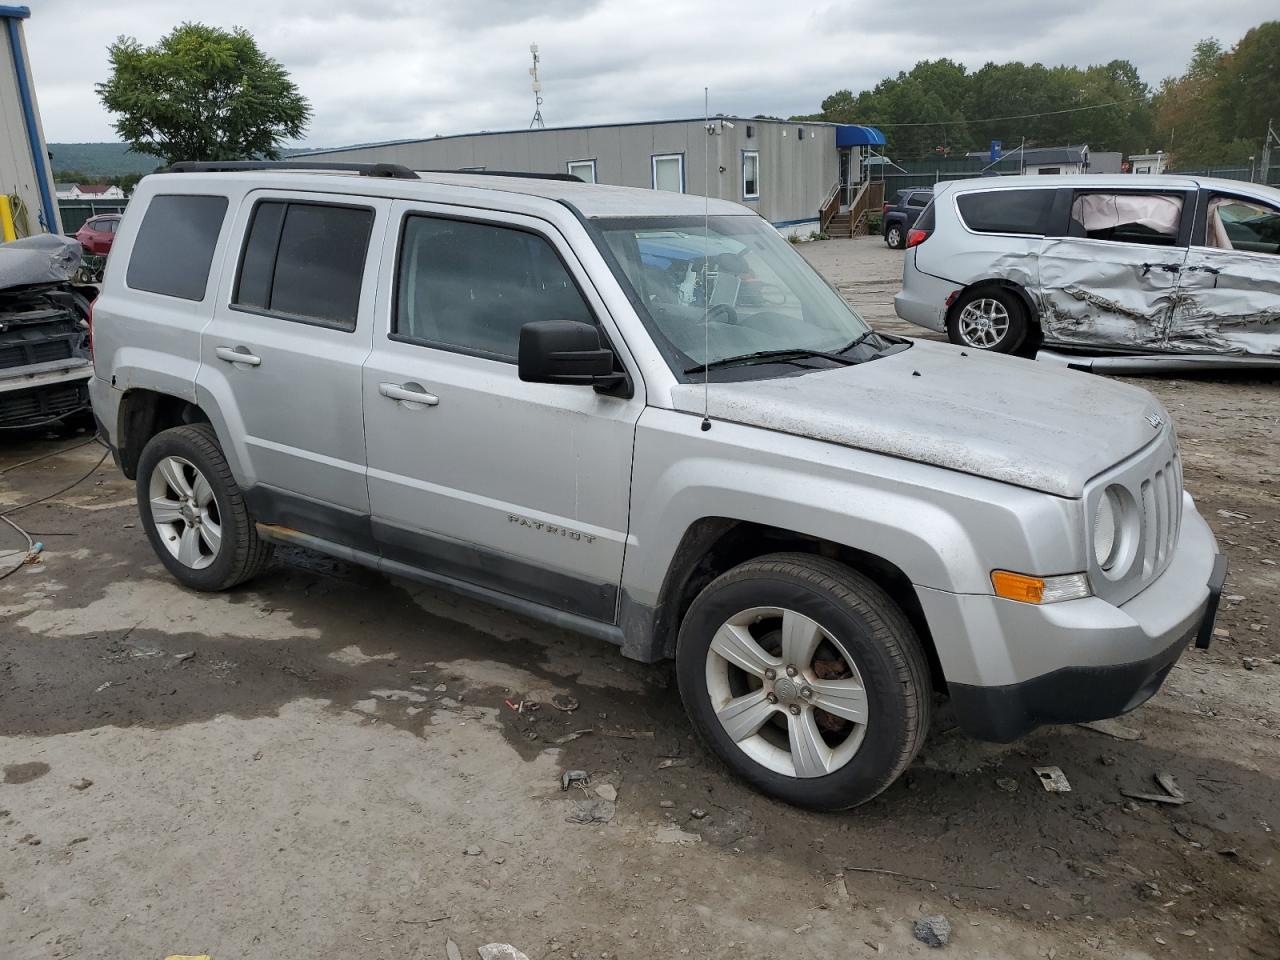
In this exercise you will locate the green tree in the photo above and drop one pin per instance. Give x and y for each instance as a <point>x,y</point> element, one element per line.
<point>202,93</point>
<point>1248,90</point>
<point>1189,122</point>
<point>939,107</point>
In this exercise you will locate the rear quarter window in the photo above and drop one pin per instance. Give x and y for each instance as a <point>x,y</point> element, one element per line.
<point>1007,211</point>
<point>173,250</point>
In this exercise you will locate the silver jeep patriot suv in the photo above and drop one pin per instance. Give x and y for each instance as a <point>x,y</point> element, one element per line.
<point>642,417</point>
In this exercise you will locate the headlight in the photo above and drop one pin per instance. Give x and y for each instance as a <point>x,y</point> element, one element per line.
<point>1115,532</point>
<point>1106,530</point>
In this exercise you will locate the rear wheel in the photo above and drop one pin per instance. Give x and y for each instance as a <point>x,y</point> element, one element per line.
<point>991,319</point>
<point>806,679</point>
<point>194,513</point>
<point>895,236</point>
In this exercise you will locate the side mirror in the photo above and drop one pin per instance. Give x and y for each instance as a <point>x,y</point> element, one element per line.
<point>565,351</point>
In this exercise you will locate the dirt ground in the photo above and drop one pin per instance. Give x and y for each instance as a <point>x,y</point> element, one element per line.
<point>331,763</point>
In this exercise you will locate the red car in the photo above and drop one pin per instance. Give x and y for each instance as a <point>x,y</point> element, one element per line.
<point>98,233</point>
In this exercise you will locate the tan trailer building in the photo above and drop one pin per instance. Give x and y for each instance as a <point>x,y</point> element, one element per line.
<point>787,170</point>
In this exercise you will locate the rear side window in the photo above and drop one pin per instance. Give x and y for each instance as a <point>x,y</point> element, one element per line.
<point>472,286</point>
<point>305,261</point>
<point>928,219</point>
<point>1147,218</point>
<point>174,246</point>
<point>919,199</point>
<point>1007,211</point>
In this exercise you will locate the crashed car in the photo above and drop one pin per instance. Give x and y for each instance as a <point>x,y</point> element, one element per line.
<point>1160,267</point>
<point>45,363</point>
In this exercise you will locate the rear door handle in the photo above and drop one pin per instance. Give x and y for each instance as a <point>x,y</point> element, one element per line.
<point>237,355</point>
<point>408,392</point>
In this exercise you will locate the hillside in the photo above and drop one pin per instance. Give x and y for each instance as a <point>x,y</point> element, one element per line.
<point>101,159</point>
<point>108,159</point>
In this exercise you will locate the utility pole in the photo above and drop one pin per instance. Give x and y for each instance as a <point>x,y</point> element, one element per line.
<point>537,90</point>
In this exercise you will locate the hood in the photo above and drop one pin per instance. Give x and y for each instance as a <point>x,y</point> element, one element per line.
<point>1012,420</point>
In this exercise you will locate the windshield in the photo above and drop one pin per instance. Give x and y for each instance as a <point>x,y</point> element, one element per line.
<point>755,292</point>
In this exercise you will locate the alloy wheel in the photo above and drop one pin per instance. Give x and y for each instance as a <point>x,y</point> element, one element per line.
<point>787,692</point>
<point>185,512</point>
<point>983,323</point>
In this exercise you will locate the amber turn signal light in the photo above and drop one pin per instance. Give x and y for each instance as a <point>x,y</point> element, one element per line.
<point>1027,589</point>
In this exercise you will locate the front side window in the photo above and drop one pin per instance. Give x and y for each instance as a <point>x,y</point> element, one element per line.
<point>305,261</point>
<point>919,200</point>
<point>668,172</point>
<point>472,286</point>
<point>1147,218</point>
<point>584,170</point>
<point>751,175</point>
<point>736,289</point>
<point>1007,211</point>
<point>173,250</point>
<point>1248,225</point>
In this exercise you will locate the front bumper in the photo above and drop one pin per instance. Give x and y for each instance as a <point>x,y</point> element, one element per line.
<point>32,398</point>
<point>1021,665</point>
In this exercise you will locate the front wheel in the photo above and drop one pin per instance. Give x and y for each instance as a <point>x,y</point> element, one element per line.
<point>992,319</point>
<point>193,511</point>
<point>895,237</point>
<point>806,679</point>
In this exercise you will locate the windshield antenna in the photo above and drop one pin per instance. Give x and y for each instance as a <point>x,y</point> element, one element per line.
<point>706,262</point>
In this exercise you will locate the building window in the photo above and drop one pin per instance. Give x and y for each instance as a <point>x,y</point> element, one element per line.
<point>668,172</point>
<point>1050,171</point>
<point>584,170</point>
<point>750,175</point>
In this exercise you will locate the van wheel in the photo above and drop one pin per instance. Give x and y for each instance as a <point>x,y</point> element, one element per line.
<point>193,512</point>
<point>806,679</point>
<point>895,237</point>
<point>991,319</point>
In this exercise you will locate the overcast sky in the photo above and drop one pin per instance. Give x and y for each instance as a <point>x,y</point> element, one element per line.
<point>394,69</point>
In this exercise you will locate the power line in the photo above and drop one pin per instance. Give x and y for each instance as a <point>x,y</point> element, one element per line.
<point>1022,116</point>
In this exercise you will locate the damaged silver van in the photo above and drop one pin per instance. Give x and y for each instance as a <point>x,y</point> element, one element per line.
<point>1163,266</point>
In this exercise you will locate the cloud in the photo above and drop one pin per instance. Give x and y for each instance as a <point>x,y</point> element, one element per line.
<point>395,69</point>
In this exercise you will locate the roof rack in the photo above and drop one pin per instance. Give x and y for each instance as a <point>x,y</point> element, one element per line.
<point>394,170</point>
<point>519,174</point>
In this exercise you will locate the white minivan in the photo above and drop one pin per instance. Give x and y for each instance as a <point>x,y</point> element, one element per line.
<point>1157,265</point>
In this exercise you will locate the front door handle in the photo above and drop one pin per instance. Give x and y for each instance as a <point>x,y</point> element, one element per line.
<point>409,393</point>
<point>237,355</point>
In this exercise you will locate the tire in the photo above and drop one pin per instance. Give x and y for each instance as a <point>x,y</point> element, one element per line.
<point>185,542</point>
<point>895,236</point>
<point>875,650</point>
<point>1005,315</point>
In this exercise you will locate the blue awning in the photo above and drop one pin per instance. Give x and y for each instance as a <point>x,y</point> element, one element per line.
<point>856,135</point>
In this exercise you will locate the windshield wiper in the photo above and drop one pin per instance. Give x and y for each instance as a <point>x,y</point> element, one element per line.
<point>858,341</point>
<point>771,356</point>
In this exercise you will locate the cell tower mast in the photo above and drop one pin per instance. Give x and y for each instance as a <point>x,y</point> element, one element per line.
<point>537,90</point>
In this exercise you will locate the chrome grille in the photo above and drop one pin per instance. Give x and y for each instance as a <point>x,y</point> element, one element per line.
<point>1161,501</point>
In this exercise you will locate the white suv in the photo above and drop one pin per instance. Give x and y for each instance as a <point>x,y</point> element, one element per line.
<point>1167,266</point>
<point>644,418</point>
